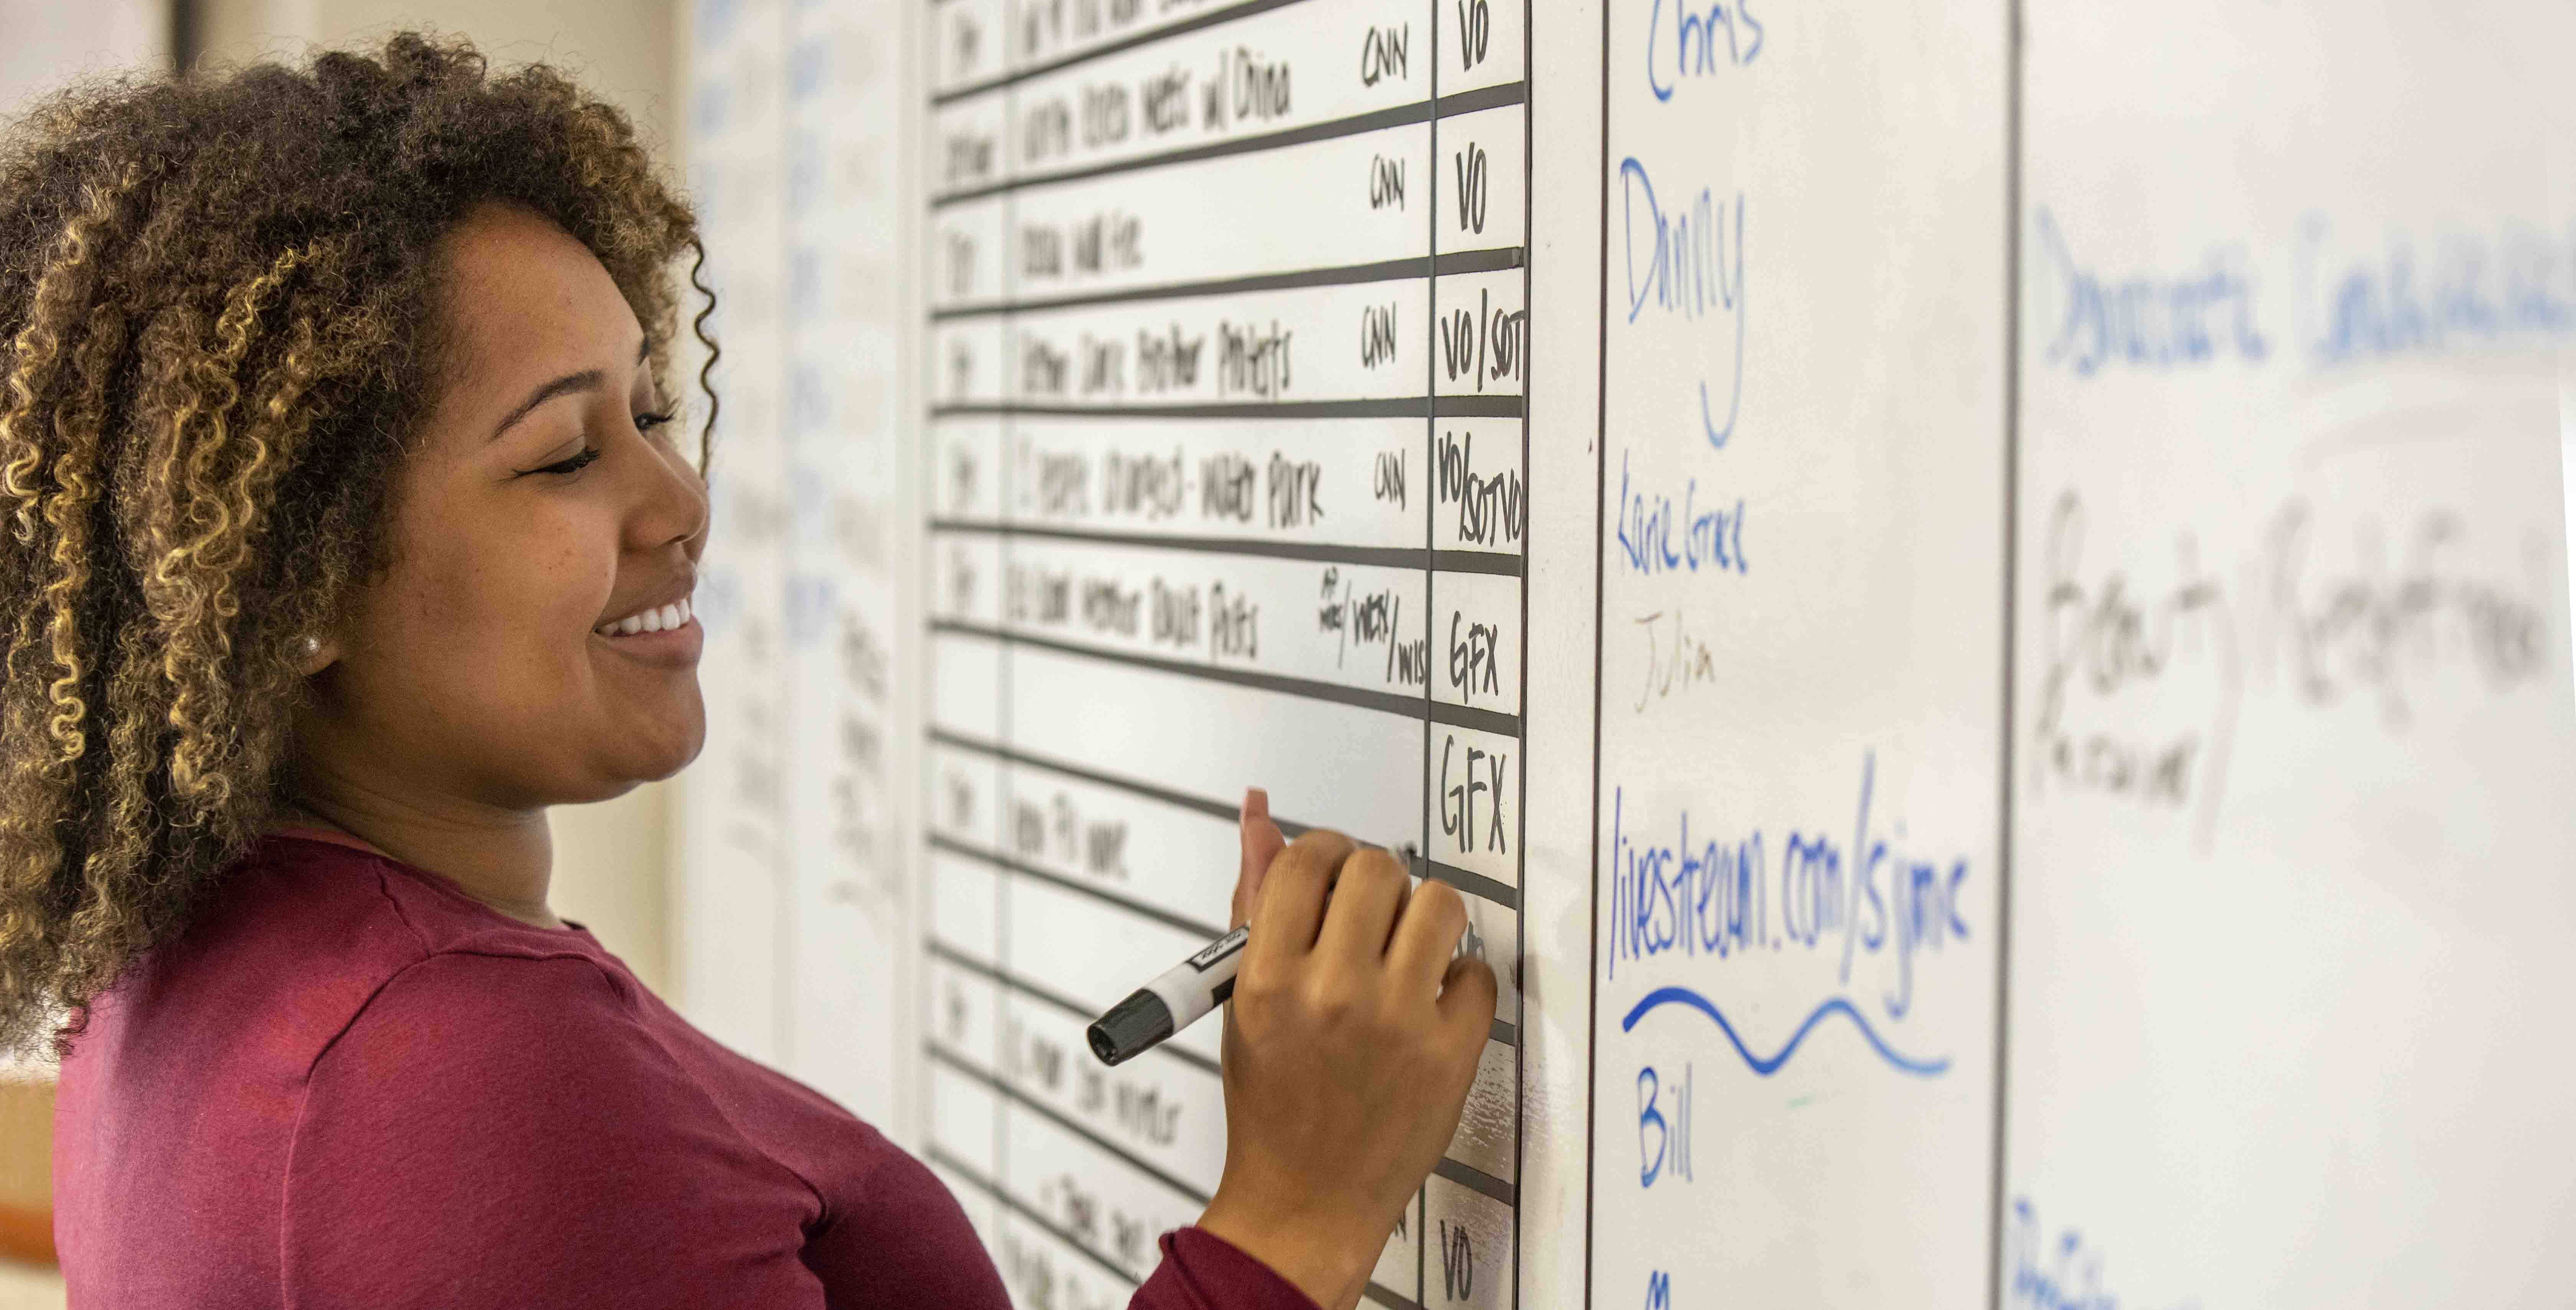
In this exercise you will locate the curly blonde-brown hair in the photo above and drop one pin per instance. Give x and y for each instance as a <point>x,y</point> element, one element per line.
<point>219,298</point>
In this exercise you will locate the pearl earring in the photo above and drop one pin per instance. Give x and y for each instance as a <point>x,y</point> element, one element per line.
<point>312,646</point>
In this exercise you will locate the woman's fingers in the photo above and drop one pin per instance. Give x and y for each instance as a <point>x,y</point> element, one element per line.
<point>1261,844</point>
<point>1467,1001</point>
<point>1366,899</point>
<point>1426,936</point>
<point>1291,907</point>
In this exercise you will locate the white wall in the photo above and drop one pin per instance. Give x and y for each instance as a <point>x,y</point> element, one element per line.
<point>618,48</point>
<point>44,43</point>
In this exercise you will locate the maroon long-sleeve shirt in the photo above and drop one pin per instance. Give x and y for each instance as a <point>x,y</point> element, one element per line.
<point>352,1084</point>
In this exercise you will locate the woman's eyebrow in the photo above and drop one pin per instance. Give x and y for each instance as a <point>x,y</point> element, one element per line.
<point>588,379</point>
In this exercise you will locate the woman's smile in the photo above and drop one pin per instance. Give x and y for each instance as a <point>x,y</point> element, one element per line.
<point>665,634</point>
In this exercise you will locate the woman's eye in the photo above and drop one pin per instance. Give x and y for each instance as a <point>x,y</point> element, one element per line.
<point>648,422</point>
<point>575,464</point>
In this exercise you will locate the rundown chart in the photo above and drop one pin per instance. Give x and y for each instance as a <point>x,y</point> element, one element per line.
<point>1226,371</point>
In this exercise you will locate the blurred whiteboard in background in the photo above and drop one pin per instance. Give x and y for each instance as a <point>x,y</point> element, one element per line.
<point>792,900</point>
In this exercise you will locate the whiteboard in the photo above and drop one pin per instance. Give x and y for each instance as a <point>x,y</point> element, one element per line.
<point>1801,635</point>
<point>1975,593</point>
<point>2293,702</point>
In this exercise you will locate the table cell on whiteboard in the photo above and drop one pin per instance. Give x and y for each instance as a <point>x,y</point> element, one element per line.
<point>1304,68</point>
<point>970,43</point>
<point>1474,485</point>
<point>1476,791</point>
<point>965,1117</point>
<point>1343,342</point>
<point>968,582</point>
<point>972,1195</point>
<point>1476,640</point>
<point>1484,185</point>
<point>1141,847</point>
<point>1488,1136</point>
<point>965,906</point>
<point>968,363</point>
<point>1482,44</point>
<point>1337,625</point>
<point>965,673</point>
<point>1493,934</point>
<point>1296,213</point>
<point>1112,719</point>
<point>964,1014</point>
<point>1480,334</point>
<point>966,470</point>
<point>1365,617</point>
<point>1042,1269</point>
<point>1052,35</point>
<point>1273,484</point>
<point>1096,1198</point>
<point>969,144</point>
<point>1094,952</point>
<point>1162,1107</point>
<point>1399,1265</point>
<point>968,256</point>
<point>1469,1239</point>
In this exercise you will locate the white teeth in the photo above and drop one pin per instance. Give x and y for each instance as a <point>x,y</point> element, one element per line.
<point>661,619</point>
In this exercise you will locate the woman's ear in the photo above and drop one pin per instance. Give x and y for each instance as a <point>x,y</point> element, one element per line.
<point>314,653</point>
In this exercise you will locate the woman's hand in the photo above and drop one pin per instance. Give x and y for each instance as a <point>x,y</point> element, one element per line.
<point>1349,1047</point>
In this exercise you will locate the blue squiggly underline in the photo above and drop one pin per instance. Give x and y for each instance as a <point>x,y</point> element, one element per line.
<point>1685,996</point>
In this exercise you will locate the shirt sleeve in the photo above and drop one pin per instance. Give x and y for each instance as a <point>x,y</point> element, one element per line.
<point>499,1131</point>
<point>1202,1271</point>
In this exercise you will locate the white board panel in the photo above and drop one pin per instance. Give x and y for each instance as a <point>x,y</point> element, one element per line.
<point>797,920</point>
<point>733,907</point>
<point>2293,714</point>
<point>1227,362</point>
<point>1800,639</point>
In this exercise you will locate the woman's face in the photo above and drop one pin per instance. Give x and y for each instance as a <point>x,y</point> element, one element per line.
<point>531,642</point>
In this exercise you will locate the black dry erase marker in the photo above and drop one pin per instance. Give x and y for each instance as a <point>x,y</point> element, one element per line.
<point>1180,997</point>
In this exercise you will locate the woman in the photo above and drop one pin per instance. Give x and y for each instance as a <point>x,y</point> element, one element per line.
<point>339,485</point>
